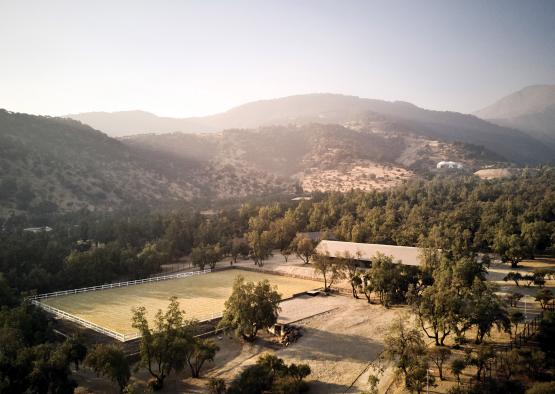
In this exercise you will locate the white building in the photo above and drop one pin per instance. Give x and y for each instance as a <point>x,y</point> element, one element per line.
<point>407,255</point>
<point>449,164</point>
<point>45,229</point>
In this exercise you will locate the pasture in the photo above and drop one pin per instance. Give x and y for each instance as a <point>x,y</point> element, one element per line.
<point>201,296</point>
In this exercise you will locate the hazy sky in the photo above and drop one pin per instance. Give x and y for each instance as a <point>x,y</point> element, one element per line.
<point>183,58</point>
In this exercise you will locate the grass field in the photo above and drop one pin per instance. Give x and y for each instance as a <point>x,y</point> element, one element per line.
<point>200,296</point>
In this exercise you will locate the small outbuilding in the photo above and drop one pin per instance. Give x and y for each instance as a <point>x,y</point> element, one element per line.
<point>210,212</point>
<point>301,198</point>
<point>45,229</point>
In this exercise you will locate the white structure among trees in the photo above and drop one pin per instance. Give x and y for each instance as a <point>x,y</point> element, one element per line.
<point>449,164</point>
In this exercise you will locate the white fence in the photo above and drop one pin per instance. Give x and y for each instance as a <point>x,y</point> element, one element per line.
<point>85,323</point>
<point>119,284</point>
<point>120,337</point>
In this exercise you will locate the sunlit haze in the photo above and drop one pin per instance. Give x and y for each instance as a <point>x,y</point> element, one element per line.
<point>178,58</point>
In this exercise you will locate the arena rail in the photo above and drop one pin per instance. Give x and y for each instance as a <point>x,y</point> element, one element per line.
<point>106,331</point>
<point>35,300</point>
<point>119,284</point>
<point>68,316</point>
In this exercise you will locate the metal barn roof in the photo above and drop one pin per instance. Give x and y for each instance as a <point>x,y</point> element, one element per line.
<point>406,254</point>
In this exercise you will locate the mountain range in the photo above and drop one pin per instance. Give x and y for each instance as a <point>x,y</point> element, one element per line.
<point>282,146</point>
<point>515,145</point>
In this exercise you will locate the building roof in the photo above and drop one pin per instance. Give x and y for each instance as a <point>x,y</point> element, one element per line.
<point>44,229</point>
<point>449,164</point>
<point>210,212</point>
<point>301,198</point>
<point>406,254</point>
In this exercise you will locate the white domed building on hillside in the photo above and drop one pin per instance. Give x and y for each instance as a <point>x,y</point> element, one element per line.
<point>449,164</point>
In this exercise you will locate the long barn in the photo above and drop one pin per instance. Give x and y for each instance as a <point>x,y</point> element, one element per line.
<point>407,255</point>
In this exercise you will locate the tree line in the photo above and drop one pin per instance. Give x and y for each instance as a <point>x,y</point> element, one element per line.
<point>511,217</point>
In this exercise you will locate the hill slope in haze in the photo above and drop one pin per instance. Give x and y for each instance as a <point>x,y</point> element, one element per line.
<point>123,123</point>
<point>53,163</point>
<point>531,110</point>
<point>372,153</point>
<point>50,164</point>
<point>338,109</point>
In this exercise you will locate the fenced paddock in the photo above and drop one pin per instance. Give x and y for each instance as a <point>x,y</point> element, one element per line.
<point>118,284</point>
<point>107,308</point>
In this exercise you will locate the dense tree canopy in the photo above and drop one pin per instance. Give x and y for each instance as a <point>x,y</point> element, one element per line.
<point>30,358</point>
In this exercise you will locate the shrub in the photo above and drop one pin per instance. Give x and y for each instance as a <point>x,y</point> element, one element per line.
<point>542,388</point>
<point>216,386</point>
<point>271,374</point>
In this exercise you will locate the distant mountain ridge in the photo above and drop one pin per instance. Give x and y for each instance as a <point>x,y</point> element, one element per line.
<point>337,109</point>
<point>531,110</point>
<point>123,123</point>
<point>529,100</point>
<point>300,109</point>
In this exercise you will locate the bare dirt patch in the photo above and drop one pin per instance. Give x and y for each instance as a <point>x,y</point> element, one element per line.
<point>339,345</point>
<point>493,173</point>
<point>363,175</point>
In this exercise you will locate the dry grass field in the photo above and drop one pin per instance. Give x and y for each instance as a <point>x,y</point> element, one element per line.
<point>200,296</point>
<point>493,173</point>
<point>362,174</point>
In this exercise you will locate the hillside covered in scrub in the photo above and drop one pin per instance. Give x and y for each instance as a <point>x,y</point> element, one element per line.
<point>54,164</point>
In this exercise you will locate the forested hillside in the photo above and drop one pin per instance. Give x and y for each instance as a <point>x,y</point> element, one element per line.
<point>371,153</point>
<point>54,164</point>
